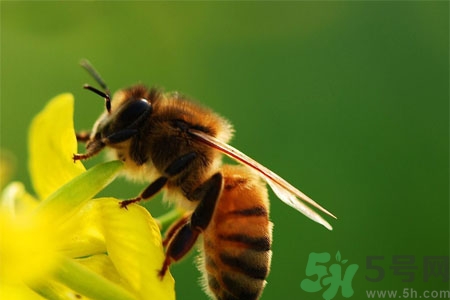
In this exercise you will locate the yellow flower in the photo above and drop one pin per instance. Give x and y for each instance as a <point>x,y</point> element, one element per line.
<point>66,245</point>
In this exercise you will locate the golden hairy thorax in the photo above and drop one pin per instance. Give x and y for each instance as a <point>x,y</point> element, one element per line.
<point>161,141</point>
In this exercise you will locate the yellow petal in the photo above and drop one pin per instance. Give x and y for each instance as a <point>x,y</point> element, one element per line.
<point>16,200</point>
<point>102,265</point>
<point>82,236</point>
<point>133,242</point>
<point>52,289</point>
<point>27,248</point>
<point>18,291</point>
<point>52,143</point>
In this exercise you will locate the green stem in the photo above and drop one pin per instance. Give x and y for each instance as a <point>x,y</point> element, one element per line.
<point>82,280</point>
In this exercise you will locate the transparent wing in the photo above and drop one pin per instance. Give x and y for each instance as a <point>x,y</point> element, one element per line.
<point>283,189</point>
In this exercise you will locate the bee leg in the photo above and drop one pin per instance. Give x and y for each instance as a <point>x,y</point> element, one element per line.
<point>179,246</point>
<point>92,148</point>
<point>149,191</point>
<point>83,136</point>
<point>184,239</point>
<point>177,166</point>
<point>174,228</point>
<point>95,145</point>
<point>207,193</point>
<point>172,170</point>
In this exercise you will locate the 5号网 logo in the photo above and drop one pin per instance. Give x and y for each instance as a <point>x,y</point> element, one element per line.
<point>331,277</point>
<point>406,267</point>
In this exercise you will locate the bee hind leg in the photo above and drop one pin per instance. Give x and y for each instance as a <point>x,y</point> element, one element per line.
<point>179,246</point>
<point>182,240</point>
<point>174,228</point>
<point>208,193</point>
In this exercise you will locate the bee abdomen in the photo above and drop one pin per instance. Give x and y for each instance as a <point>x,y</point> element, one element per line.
<point>238,273</point>
<point>255,211</point>
<point>237,242</point>
<point>238,257</point>
<point>262,243</point>
<point>245,266</point>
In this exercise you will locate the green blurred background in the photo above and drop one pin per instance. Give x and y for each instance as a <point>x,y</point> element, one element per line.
<point>348,101</point>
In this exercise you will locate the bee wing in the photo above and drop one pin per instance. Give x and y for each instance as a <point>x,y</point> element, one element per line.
<point>283,189</point>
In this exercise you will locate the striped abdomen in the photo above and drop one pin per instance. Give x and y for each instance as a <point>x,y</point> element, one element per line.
<point>238,240</point>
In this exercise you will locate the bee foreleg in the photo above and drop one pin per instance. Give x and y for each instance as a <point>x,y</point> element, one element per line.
<point>83,136</point>
<point>92,148</point>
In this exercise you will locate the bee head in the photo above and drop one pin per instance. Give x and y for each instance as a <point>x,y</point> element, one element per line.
<point>124,115</point>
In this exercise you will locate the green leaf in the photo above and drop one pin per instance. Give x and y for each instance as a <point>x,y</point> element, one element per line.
<point>65,201</point>
<point>338,256</point>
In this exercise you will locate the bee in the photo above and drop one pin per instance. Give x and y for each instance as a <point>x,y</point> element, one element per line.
<point>177,146</point>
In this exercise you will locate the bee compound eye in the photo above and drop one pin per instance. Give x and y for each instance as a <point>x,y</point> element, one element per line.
<point>134,110</point>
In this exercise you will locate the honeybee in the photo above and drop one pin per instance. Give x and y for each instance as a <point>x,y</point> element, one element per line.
<point>177,146</point>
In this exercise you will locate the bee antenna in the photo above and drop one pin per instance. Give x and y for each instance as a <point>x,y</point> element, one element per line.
<point>106,94</point>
